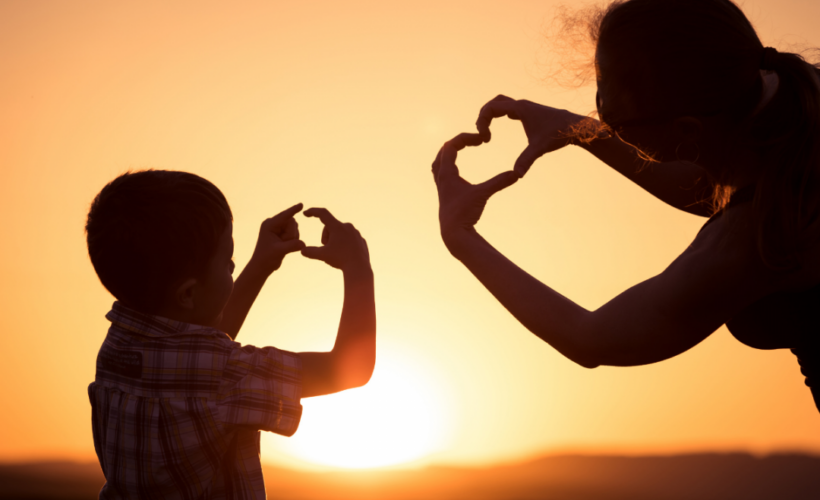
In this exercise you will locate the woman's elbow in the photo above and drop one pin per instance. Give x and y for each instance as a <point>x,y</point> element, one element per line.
<point>584,356</point>
<point>584,351</point>
<point>587,362</point>
<point>574,344</point>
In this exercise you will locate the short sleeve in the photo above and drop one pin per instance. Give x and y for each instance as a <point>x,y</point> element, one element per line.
<point>262,388</point>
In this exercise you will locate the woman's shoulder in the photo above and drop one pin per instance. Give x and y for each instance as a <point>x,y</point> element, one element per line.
<point>734,234</point>
<point>729,232</point>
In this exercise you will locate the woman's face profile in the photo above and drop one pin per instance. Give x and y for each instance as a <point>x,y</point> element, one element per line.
<point>616,109</point>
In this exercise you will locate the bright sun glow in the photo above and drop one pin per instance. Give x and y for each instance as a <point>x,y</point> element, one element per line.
<point>398,417</point>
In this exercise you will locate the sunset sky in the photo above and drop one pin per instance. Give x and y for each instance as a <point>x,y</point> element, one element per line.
<point>344,105</point>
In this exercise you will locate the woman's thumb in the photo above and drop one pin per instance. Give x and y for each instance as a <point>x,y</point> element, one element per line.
<point>499,182</point>
<point>526,159</point>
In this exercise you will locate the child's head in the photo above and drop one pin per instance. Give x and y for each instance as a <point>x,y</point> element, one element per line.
<point>155,234</point>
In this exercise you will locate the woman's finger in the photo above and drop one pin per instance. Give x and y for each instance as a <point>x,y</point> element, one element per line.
<point>457,143</point>
<point>447,162</point>
<point>465,139</point>
<point>500,106</point>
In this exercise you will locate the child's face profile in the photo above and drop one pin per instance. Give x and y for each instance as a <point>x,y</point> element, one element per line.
<point>214,290</point>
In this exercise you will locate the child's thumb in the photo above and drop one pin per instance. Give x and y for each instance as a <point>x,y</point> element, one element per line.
<point>292,246</point>
<point>317,253</point>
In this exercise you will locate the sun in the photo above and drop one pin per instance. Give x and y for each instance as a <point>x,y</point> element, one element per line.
<point>398,417</point>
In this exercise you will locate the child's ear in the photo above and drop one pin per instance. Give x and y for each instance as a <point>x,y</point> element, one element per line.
<point>184,296</point>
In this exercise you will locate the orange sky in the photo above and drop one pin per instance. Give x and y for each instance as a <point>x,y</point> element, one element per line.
<point>344,105</point>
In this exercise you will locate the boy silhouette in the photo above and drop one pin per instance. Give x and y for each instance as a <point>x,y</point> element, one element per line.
<point>177,405</point>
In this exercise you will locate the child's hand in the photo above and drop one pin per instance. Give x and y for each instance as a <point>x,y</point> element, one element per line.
<point>278,237</point>
<point>344,248</point>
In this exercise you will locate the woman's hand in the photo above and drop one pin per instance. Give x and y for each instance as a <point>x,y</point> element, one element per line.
<point>548,129</point>
<point>461,203</point>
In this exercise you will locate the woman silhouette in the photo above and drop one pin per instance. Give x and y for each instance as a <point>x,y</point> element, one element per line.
<point>736,130</point>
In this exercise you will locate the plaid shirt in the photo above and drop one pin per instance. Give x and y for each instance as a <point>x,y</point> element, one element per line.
<point>177,408</point>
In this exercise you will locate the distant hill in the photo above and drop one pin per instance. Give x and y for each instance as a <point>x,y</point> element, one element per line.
<point>567,477</point>
<point>47,480</point>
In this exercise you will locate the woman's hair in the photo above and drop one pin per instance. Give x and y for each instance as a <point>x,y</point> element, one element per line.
<point>702,58</point>
<point>149,230</point>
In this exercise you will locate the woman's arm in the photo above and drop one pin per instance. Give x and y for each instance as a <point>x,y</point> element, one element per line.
<point>717,276</point>
<point>682,185</point>
<point>652,321</point>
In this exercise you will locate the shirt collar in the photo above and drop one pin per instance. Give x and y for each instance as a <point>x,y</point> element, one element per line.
<point>151,325</point>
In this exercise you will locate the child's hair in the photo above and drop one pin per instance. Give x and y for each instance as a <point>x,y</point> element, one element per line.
<point>148,231</point>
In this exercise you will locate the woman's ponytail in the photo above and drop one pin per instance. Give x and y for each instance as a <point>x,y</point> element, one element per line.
<point>787,132</point>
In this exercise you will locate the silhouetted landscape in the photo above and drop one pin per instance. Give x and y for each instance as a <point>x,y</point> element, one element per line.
<point>565,477</point>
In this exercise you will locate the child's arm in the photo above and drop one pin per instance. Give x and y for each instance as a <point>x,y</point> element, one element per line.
<point>350,364</point>
<point>278,237</point>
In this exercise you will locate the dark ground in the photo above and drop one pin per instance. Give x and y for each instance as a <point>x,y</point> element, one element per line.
<point>701,477</point>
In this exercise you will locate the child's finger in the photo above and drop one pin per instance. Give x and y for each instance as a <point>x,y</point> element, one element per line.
<point>289,212</point>
<point>436,165</point>
<point>323,215</point>
<point>279,220</point>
